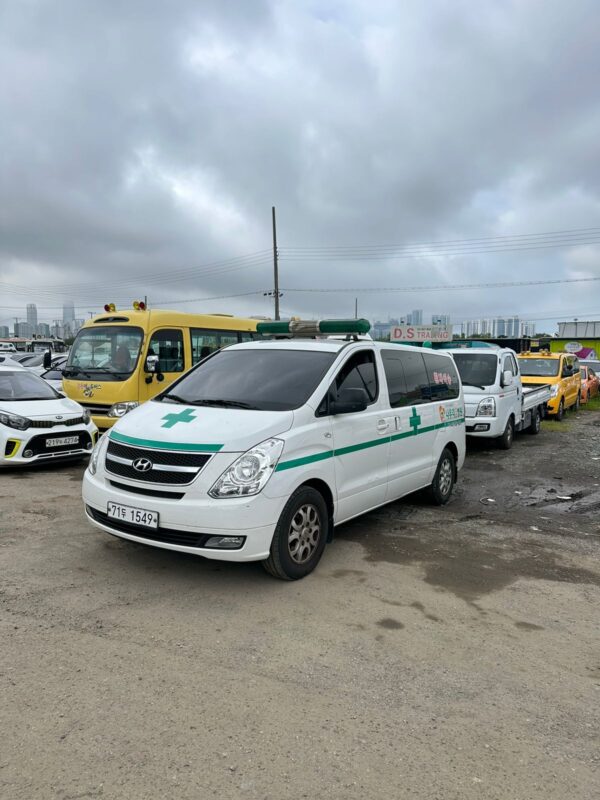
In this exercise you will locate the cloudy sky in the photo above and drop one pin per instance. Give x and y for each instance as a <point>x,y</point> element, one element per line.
<point>143,144</point>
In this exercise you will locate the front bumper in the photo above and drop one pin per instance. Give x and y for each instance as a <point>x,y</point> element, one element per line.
<point>553,404</point>
<point>194,516</point>
<point>485,427</point>
<point>104,423</point>
<point>14,444</point>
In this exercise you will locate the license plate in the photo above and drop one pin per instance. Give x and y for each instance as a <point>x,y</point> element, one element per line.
<point>61,441</point>
<point>135,516</point>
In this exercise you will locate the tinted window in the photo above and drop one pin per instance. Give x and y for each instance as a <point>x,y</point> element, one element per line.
<point>23,385</point>
<point>443,378</point>
<point>477,369</point>
<point>168,346</point>
<point>264,379</point>
<point>205,342</point>
<point>359,373</point>
<point>407,377</point>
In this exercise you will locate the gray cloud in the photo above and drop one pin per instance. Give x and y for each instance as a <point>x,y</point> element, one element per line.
<point>145,138</point>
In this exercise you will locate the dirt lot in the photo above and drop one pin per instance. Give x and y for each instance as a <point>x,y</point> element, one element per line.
<point>436,653</point>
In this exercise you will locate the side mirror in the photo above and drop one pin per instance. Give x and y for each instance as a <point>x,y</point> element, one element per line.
<point>507,378</point>
<point>567,372</point>
<point>151,363</point>
<point>349,401</point>
<point>47,359</point>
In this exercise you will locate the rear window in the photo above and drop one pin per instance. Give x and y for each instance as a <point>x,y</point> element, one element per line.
<point>443,378</point>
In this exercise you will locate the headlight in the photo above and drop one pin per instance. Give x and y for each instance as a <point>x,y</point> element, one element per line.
<point>487,407</point>
<point>14,421</point>
<point>97,454</point>
<point>86,416</point>
<point>554,390</point>
<point>120,409</point>
<point>251,472</point>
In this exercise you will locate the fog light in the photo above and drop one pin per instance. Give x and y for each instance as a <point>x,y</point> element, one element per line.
<point>27,453</point>
<point>482,427</point>
<point>89,445</point>
<point>226,542</point>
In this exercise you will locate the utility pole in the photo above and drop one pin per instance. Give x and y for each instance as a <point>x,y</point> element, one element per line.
<point>356,308</point>
<point>275,266</point>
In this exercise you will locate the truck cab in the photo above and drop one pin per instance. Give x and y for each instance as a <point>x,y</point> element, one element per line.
<point>492,389</point>
<point>561,371</point>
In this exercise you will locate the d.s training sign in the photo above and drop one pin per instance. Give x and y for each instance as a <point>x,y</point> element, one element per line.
<point>421,333</point>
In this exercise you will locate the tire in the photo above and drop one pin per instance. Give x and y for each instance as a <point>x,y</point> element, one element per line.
<point>536,423</point>
<point>300,536</point>
<point>444,479</point>
<point>577,405</point>
<point>505,442</point>
<point>561,410</point>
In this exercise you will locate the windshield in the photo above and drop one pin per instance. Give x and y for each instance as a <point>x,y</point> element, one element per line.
<point>539,367</point>
<point>477,369</point>
<point>263,379</point>
<point>108,353</point>
<point>23,385</point>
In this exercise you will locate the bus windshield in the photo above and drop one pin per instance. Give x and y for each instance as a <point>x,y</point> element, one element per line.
<point>109,353</point>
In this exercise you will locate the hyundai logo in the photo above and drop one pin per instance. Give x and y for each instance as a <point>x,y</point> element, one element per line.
<point>58,416</point>
<point>142,465</point>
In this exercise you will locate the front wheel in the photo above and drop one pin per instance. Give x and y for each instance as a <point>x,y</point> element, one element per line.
<point>300,536</point>
<point>536,422</point>
<point>561,410</point>
<point>577,403</point>
<point>444,479</point>
<point>506,440</point>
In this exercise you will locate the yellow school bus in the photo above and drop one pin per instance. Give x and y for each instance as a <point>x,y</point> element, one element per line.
<point>120,359</point>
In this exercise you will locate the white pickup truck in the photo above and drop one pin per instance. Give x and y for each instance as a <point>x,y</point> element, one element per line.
<point>497,403</point>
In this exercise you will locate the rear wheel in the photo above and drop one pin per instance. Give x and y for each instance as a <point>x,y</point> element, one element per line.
<point>561,410</point>
<point>536,422</point>
<point>444,479</point>
<point>577,403</point>
<point>506,440</point>
<point>300,536</point>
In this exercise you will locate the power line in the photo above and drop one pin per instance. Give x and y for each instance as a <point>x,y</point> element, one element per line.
<point>441,287</point>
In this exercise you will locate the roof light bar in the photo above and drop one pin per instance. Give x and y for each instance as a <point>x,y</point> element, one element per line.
<point>309,327</point>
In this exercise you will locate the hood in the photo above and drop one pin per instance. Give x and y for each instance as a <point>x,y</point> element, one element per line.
<point>42,409</point>
<point>179,427</point>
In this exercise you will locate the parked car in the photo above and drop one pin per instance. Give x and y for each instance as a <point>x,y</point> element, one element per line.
<point>561,371</point>
<point>496,402</point>
<point>37,424</point>
<point>590,383</point>
<point>261,448</point>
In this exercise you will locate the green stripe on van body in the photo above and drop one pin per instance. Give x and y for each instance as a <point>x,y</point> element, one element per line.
<point>182,446</point>
<point>342,451</point>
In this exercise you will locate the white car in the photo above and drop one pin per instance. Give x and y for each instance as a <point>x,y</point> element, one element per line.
<point>37,424</point>
<point>263,447</point>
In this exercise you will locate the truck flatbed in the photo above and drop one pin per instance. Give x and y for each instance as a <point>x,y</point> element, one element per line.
<point>534,395</point>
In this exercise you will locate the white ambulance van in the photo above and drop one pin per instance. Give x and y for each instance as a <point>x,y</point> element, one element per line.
<point>262,448</point>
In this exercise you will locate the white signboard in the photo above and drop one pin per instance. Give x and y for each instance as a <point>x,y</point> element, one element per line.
<point>421,333</point>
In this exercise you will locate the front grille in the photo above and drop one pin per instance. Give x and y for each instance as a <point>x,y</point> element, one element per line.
<point>39,448</point>
<point>167,535</point>
<point>125,487</point>
<point>53,423</point>
<point>185,466</point>
<point>99,409</point>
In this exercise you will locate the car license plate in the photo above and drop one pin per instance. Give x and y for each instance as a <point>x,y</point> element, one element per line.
<point>61,441</point>
<point>135,516</point>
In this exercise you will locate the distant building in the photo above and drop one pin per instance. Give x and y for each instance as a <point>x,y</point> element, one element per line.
<point>578,330</point>
<point>381,330</point>
<point>57,330</point>
<point>440,319</point>
<point>32,317</point>
<point>68,317</point>
<point>23,330</point>
<point>4,332</point>
<point>43,329</point>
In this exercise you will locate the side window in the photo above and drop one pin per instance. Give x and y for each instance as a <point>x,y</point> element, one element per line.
<point>168,346</point>
<point>515,366</point>
<point>507,365</point>
<point>443,378</point>
<point>359,372</point>
<point>203,344</point>
<point>575,366</point>
<point>407,377</point>
<point>246,336</point>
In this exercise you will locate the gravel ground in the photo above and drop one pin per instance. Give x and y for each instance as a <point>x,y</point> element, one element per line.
<point>435,653</point>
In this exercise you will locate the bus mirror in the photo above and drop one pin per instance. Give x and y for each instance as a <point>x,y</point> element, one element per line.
<point>47,359</point>
<point>151,363</point>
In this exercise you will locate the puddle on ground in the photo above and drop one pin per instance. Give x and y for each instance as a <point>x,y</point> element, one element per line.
<point>468,567</point>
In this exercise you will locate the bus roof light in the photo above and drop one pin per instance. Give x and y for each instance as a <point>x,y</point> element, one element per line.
<point>139,305</point>
<point>110,307</point>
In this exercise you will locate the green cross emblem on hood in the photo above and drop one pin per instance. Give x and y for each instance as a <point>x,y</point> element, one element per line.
<point>415,420</point>
<point>183,416</point>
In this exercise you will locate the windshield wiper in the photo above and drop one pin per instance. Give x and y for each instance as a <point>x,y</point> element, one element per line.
<point>71,372</point>
<point>174,398</point>
<point>224,404</point>
<point>476,385</point>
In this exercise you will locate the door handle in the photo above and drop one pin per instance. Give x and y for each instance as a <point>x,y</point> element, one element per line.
<point>382,425</point>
